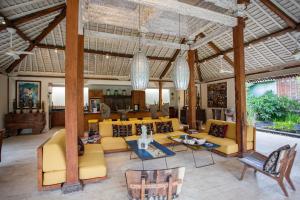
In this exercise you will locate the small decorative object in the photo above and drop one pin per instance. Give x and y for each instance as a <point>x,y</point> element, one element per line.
<point>105,111</point>
<point>108,92</point>
<point>153,111</point>
<point>144,140</point>
<point>15,106</point>
<point>38,105</point>
<point>136,107</point>
<point>95,105</point>
<point>116,92</point>
<point>123,114</point>
<point>124,92</point>
<point>28,90</point>
<point>21,104</point>
<point>30,104</point>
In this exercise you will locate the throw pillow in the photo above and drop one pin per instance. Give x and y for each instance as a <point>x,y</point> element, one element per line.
<point>218,130</point>
<point>164,127</point>
<point>273,162</point>
<point>149,128</point>
<point>80,147</point>
<point>122,130</point>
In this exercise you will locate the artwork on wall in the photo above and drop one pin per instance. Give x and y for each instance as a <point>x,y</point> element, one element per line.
<point>217,95</point>
<point>95,105</point>
<point>28,94</point>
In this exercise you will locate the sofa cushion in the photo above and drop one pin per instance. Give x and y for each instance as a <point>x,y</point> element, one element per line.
<point>164,127</point>
<point>105,128</point>
<point>122,130</point>
<point>228,146</point>
<point>54,152</point>
<point>153,121</point>
<point>93,148</point>
<point>54,177</point>
<point>149,127</point>
<point>250,133</point>
<point>111,144</point>
<point>92,166</point>
<point>230,130</point>
<point>133,137</point>
<point>218,130</point>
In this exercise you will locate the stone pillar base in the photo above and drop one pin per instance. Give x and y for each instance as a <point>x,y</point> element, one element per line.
<point>69,188</point>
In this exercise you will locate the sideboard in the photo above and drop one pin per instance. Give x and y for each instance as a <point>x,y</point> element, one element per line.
<point>16,122</point>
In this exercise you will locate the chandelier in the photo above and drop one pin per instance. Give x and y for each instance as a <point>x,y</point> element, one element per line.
<point>181,72</point>
<point>140,66</point>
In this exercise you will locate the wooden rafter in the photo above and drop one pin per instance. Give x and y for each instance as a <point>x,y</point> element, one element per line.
<point>31,16</point>
<point>255,41</point>
<point>92,51</point>
<point>39,38</point>
<point>269,4</point>
<point>8,23</point>
<point>198,66</point>
<point>171,60</point>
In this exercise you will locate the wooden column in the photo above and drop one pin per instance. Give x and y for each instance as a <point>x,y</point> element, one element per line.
<point>240,90</point>
<point>192,90</point>
<point>74,95</point>
<point>160,95</point>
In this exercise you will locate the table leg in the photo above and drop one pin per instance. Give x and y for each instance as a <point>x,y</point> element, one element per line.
<point>166,163</point>
<point>143,165</point>
<point>200,166</point>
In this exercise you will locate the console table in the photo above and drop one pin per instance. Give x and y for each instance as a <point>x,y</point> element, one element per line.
<point>14,123</point>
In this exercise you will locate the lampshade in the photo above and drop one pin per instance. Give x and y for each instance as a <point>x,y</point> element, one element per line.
<point>139,71</point>
<point>181,74</point>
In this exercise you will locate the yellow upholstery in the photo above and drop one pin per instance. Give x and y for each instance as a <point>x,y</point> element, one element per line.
<point>105,128</point>
<point>133,119</point>
<point>107,120</point>
<point>228,146</point>
<point>133,137</point>
<point>230,130</point>
<point>164,118</point>
<point>152,121</point>
<point>92,165</point>
<point>176,133</point>
<point>54,177</point>
<point>250,133</point>
<point>54,152</point>
<point>110,144</point>
<point>175,124</point>
<point>93,121</point>
<point>133,122</point>
<point>147,118</point>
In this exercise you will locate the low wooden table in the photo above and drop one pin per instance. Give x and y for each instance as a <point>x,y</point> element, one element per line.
<point>155,151</point>
<point>208,146</point>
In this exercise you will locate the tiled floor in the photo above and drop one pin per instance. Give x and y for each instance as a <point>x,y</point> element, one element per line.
<point>18,174</point>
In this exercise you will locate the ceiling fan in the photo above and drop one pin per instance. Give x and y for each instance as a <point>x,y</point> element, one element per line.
<point>223,71</point>
<point>12,52</point>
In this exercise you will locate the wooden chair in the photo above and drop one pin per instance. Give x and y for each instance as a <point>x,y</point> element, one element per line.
<point>257,161</point>
<point>154,184</point>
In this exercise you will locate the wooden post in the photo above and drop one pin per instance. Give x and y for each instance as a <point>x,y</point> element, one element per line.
<point>192,90</point>
<point>160,95</point>
<point>240,90</point>
<point>74,96</point>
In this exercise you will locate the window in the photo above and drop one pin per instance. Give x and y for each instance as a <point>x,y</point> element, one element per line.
<point>152,96</point>
<point>58,96</point>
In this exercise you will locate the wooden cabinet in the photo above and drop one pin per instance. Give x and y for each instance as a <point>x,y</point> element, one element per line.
<point>138,97</point>
<point>95,94</point>
<point>14,123</point>
<point>200,115</point>
<point>117,102</point>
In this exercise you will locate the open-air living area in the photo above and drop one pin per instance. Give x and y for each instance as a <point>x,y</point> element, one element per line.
<point>149,100</point>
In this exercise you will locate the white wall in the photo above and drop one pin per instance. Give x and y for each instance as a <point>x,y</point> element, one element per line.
<point>230,95</point>
<point>3,99</point>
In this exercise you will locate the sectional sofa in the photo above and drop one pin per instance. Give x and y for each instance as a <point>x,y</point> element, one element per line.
<point>92,165</point>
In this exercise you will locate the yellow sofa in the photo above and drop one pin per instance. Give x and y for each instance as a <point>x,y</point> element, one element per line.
<point>229,146</point>
<point>52,162</point>
<point>116,144</point>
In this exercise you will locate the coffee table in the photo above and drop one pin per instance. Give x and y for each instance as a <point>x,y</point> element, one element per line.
<point>207,146</point>
<point>154,151</point>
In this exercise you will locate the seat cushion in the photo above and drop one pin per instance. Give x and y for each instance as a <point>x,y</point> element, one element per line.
<point>110,144</point>
<point>176,133</point>
<point>162,138</point>
<point>202,135</point>
<point>228,146</point>
<point>54,152</point>
<point>230,133</point>
<point>105,128</point>
<point>133,137</point>
<point>92,166</point>
<point>54,177</point>
<point>250,133</point>
<point>93,148</point>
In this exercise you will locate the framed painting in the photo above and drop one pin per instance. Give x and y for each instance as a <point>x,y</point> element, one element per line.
<point>95,105</point>
<point>217,95</point>
<point>28,93</point>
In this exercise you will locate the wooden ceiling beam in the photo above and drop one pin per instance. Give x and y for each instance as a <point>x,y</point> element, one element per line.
<point>198,66</point>
<point>38,39</point>
<point>8,23</point>
<point>92,51</point>
<point>255,41</point>
<point>275,9</point>
<point>171,60</point>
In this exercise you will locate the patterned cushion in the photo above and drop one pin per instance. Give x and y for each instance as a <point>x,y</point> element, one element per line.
<point>273,162</point>
<point>164,127</point>
<point>80,147</point>
<point>218,130</point>
<point>149,128</point>
<point>122,130</point>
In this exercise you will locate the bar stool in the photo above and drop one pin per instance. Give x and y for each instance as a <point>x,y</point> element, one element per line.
<point>93,126</point>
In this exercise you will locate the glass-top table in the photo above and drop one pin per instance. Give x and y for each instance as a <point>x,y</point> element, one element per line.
<point>208,146</point>
<point>154,151</point>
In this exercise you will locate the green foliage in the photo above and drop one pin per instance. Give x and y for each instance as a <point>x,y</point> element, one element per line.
<point>284,126</point>
<point>270,107</point>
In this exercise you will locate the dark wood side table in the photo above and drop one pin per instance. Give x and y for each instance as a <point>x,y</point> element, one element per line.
<point>2,131</point>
